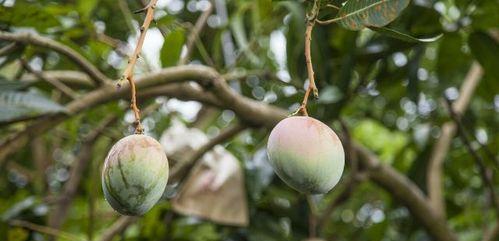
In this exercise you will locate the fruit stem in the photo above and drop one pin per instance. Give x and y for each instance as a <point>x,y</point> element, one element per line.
<point>311,17</point>
<point>128,73</point>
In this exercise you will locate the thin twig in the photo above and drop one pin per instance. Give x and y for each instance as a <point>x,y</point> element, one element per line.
<point>183,167</point>
<point>194,34</point>
<point>483,146</point>
<point>44,229</point>
<point>332,6</point>
<point>492,233</point>
<point>486,178</point>
<point>348,188</point>
<point>84,156</point>
<point>128,73</point>
<point>127,14</point>
<point>7,49</point>
<point>54,82</point>
<point>118,226</point>
<point>407,192</point>
<point>326,22</point>
<point>204,53</point>
<point>311,16</point>
<point>434,179</point>
<point>29,38</point>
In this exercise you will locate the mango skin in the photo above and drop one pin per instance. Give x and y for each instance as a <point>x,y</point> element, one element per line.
<point>135,174</point>
<point>306,154</point>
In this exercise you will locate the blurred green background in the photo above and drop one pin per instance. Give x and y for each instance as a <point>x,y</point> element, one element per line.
<point>388,93</point>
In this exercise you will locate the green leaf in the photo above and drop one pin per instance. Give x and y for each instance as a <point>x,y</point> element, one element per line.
<point>27,15</point>
<point>404,36</point>
<point>485,16</point>
<point>452,61</point>
<point>7,85</point>
<point>294,35</point>
<point>16,105</point>
<point>239,31</point>
<point>486,51</point>
<point>172,47</point>
<point>357,14</point>
<point>385,142</point>
<point>264,9</point>
<point>85,7</point>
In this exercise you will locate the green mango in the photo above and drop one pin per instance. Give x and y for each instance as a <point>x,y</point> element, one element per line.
<point>306,154</point>
<point>135,174</point>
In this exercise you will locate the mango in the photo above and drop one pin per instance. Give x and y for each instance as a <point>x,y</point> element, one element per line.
<point>135,174</point>
<point>306,154</point>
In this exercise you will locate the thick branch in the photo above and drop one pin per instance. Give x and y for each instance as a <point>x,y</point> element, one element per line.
<point>401,188</point>
<point>435,164</point>
<point>252,112</point>
<point>28,38</point>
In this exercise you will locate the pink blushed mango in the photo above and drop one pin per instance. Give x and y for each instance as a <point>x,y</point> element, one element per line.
<point>306,154</point>
<point>135,174</point>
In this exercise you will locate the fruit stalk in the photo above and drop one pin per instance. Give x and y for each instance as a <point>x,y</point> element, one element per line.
<point>311,16</point>
<point>128,73</point>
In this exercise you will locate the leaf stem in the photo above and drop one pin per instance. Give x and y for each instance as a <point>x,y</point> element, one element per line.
<point>332,6</point>
<point>329,21</point>
<point>128,73</point>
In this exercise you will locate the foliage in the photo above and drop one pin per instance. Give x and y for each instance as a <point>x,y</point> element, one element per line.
<point>385,81</point>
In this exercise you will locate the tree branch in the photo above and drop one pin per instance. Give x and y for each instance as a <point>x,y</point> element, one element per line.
<point>250,112</point>
<point>344,195</point>
<point>83,157</point>
<point>311,16</point>
<point>253,113</point>
<point>70,78</point>
<point>178,171</point>
<point>435,163</point>
<point>492,234</point>
<point>118,226</point>
<point>486,178</point>
<point>128,73</point>
<point>182,168</point>
<point>28,38</point>
<point>403,189</point>
<point>194,34</point>
<point>9,48</point>
<point>54,82</point>
<point>44,229</point>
